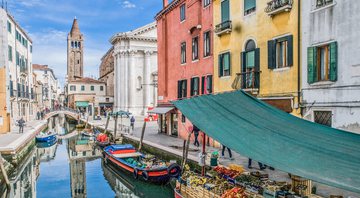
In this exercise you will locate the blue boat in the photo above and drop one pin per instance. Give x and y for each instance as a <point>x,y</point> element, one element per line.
<point>45,137</point>
<point>46,144</point>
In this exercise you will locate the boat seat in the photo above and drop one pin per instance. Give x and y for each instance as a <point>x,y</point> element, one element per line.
<point>126,155</point>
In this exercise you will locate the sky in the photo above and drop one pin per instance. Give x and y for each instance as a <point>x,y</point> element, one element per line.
<point>49,21</point>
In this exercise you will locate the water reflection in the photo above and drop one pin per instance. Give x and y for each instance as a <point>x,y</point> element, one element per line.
<point>74,168</point>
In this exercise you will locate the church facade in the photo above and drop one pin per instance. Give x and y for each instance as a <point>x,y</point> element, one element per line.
<point>135,69</point>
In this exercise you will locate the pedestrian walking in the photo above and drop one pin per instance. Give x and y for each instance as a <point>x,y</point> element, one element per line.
<point>21,124</point>
<point>196,135</point>
<point>42,114</point>
<point>223,152</point>
<point>132,122</point>
<point>261,166</point>
<point>38,115</point>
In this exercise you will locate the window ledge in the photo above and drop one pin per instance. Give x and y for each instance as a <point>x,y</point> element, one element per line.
<point>182,64</point>
<point>182,21</point>
<point>206,57</point>
<point>225,77</point>
<point>282,69</point>
<point>250,14</point>
<point>324,7</point>
<point>322,83</point>
<point>207,6</point>
<point>194,61</point>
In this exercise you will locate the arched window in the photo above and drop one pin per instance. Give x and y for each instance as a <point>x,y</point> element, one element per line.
<point>75,44</point>
<point>79,45</point>
<point>250,65</point>
<point>72,44</point>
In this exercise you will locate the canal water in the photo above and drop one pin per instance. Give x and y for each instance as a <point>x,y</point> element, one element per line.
<point>74,167</point>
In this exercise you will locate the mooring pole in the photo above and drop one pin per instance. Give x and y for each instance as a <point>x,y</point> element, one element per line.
<point>203,152</point>
<point>4,174</point>
<point>87,121</point>
<point>115,128</point>
<point>142,135</point>
<point>107,123</point>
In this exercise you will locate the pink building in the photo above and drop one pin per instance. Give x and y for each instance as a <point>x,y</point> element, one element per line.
<point>185,58</point>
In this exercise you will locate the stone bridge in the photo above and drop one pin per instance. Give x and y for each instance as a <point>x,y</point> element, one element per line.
<point>70,113</point>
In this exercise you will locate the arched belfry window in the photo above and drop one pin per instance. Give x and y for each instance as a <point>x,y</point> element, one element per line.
<point>76,44</point>
<point>79,45</point>
<point>72,44</point>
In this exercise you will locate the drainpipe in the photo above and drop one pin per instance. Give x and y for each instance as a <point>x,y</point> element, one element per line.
<point>298,55</point>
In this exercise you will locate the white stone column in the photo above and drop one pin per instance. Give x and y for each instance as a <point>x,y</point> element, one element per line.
<point>126,82</point>
<point>132,77</point>
<point>147,77</point>
<point>122,81</point>
<point>116,83</point>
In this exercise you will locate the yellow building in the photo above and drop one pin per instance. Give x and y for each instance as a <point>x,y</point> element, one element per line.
<point>256,49</point>
<point>4,115</point>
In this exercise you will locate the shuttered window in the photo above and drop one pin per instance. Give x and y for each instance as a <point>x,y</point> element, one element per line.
<point>207,43</point>
<point>10,56</point>
<point>82,88</point>
<point>9,27</point>
<point>249,6</point>
<point>280,52</point>
<point>182,12</point>
<point>182,88</point>
<point>224,64</point>
<point>225,10</point>
<point>206,2</point>
<point>92,88</point>
<point>183,53</point>
<point>322,63</point>
<point>194,90</point>
<point>195,48</point>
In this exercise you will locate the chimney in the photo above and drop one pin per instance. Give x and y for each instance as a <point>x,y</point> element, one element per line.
<point>165,3</point>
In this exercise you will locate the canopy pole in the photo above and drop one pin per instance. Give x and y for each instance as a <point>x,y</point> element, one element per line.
<point>203,152</point>
<point>142,135</point>
<point>107,123</point>
<point>187,148</point>
<point>115,127</point>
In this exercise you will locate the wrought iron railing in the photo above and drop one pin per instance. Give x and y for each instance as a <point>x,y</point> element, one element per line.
<point>276,4</point>
<point>321,3</point>
<point>23,69</point>
<point>223,26</point>
<point>247,80</point>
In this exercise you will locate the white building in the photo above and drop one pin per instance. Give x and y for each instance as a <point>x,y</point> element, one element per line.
<point>50,85</point>
<point>331,63</point>
<point>16,60</point>
<point>135,58</point>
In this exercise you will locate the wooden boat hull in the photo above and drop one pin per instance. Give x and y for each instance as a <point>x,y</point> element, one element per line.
<point>177,194</point>
<point>158,175</point>
<point>48,138</point>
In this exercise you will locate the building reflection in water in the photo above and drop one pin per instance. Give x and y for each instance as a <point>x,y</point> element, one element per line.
<point>80,150</point>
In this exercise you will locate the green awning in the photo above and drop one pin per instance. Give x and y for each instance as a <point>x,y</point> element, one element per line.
<point>271,136</point>
<point>82,103</point>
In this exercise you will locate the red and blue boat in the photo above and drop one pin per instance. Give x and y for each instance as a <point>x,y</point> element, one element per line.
<point>46,137</point>
<point>126,158</point>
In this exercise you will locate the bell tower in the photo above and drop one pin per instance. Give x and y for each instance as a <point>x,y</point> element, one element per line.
<point>75,53</point>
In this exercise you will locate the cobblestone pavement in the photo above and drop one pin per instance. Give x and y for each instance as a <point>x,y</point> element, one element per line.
<point>152,135</point>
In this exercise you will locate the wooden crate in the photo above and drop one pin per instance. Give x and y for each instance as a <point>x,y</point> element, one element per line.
<point>296,181</point>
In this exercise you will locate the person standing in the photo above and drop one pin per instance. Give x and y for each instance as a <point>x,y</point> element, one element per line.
<point>223,152</point>
<point>196,135</point>
<point>21,124</point>
<point>132,122</point>
<point>38,115</point>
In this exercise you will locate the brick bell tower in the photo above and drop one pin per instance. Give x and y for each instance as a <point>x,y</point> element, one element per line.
<point>75,53</point>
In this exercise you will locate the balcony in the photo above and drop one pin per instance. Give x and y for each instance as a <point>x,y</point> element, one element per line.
<point>278,6</point>
<point>223,28</point>
<point>248,81</point>
<point>23,70</point>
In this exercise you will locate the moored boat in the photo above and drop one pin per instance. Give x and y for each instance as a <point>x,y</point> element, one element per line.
<point>102,140</point>
<point>45,137</point>
<point>148,167</point>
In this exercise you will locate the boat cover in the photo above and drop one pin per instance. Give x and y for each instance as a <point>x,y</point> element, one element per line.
<point>271,136</point>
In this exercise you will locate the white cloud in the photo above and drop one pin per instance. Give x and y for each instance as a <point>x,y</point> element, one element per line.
<point>128,4</point>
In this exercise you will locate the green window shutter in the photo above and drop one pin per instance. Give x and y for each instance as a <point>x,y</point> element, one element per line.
<point>257,59</point>
<point>225,12</point>
<point>290,47</point>
<point>249,4</point>
<point>312,67</point>
<point>192,86</point>
<point>179,89</point>
<point>227,62</point>
<point>243,67</point>
<point>221,65</point>
<point>203,85</point>
<point>333,61</point>
<point>185,88</point>
<point>271,54</point>
<point>210,77</point>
